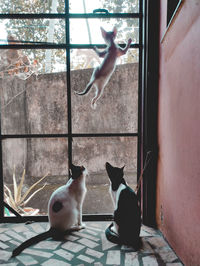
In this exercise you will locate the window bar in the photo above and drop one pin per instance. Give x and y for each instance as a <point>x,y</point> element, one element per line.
<point>67,28</point>
<point>70,15</point>
<point>11,209</point>
<point>139,148</point>
<point>73,135</point>
<point>1,176</point>
<point>59,46</point>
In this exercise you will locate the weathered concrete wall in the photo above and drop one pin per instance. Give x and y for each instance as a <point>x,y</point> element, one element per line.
<point>116,110</point>
<point>41,108</point>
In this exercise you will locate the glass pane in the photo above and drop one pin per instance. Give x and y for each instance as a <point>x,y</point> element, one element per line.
<point>116,6</point>
<point>117,108</point>
<point>33,91</point>
<point>93,153</point>
<point>20,31</point>
<point>32,6</point>
<point>91,33</point>
<point>38,157</point>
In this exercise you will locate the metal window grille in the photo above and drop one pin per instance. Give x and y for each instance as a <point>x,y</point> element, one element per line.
<point>67,16</point>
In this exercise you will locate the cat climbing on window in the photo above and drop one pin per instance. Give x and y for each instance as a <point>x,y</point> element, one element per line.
<point>103,72</point>
<point>64,209</point>
<point>125,229</point>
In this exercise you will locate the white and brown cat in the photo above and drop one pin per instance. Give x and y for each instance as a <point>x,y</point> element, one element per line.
<point>103,72</point>
<point>64,209</point>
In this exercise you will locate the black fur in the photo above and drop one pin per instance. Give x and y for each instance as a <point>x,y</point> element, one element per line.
<point>57,206</point>
<point>127,215</point>
<point>34,240</point>
<point>76,171</point>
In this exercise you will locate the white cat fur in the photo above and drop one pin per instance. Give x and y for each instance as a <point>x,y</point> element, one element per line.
<point>72,196</point>
<point>103,72</point>
<point>115,198</point>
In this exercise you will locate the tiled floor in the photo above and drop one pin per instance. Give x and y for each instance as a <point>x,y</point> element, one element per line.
<point>86,247</point>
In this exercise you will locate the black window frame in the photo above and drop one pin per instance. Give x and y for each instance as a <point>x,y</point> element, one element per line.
<point>150,100</point>
<point>147,20</point>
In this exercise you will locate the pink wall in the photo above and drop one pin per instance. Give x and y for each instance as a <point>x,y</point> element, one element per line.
<point>178,187</point>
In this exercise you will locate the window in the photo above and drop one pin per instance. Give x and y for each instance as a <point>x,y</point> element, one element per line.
<point>46,54</point>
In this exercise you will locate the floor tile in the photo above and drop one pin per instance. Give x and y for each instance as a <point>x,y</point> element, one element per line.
<point>86,247</point>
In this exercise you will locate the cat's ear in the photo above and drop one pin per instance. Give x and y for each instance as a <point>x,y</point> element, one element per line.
<point>123,168</point>
<point>115,31</point>
<point>82,168</point>
<point>108,165</point>
<point>103,32</point>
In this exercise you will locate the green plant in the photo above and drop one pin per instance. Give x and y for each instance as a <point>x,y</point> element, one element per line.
<point>16,200</point>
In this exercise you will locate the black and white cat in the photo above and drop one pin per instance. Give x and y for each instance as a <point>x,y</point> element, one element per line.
<point>102,73</point>
<point>64,209</point>
<point>125,229</point>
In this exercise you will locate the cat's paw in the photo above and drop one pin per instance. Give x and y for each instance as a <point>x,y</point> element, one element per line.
<point>78,227</point>
<point>81,226</point>
<point>93,105</point>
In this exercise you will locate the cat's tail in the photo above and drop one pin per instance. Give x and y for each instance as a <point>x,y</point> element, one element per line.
<point>89,86</point>
<point>113,237</point>
<point>34,240</point>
